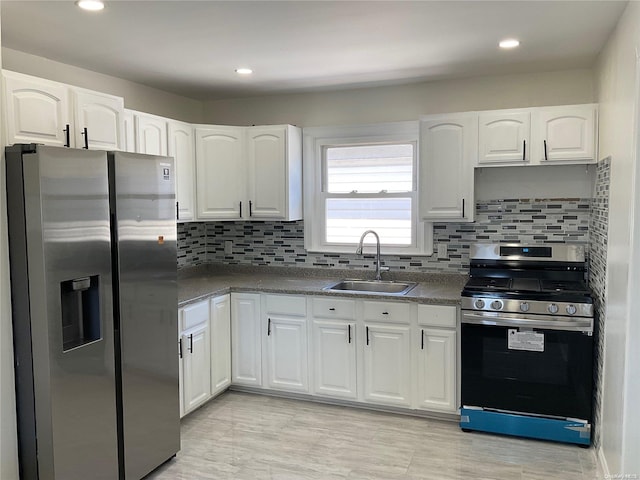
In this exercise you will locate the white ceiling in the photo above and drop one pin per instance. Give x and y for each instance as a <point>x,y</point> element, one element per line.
<point>192,47</point>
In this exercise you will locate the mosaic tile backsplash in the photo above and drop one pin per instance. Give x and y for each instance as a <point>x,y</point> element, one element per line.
<point>598,228</point>
<point>282,243</point>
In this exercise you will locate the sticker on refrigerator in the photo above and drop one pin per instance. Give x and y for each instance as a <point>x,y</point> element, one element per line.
<point>527,340</point>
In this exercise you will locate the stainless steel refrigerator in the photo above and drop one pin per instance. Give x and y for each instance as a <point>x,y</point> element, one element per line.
<point>92,242</point>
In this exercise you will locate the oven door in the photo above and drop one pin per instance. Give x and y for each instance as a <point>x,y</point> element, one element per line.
<point>510,367</point>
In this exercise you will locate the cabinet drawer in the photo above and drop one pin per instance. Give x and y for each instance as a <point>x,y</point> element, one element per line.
<point>437,315</point>
<point>285,305</point>
<point>193,315</point>
<point>334,308</point>
<point>387,312</point>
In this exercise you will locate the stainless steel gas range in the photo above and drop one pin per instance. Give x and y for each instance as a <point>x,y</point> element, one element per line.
<point>527,342</point>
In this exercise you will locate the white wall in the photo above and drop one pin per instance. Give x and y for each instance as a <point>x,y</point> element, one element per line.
<point>136,96</point>
<point>617,94</point>
<point>406,102</point>
<point>8,441</point>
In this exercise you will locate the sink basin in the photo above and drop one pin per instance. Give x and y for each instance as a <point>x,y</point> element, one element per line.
<point>374,287</point>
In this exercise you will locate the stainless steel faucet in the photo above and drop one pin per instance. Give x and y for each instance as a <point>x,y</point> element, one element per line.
<point>359,252</point>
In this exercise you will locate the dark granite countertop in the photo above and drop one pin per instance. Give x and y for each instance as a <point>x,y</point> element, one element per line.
<point>195,283</point>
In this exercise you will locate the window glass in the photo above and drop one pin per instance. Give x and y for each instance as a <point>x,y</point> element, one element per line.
<point>369,169</point>
<point>348,218</point>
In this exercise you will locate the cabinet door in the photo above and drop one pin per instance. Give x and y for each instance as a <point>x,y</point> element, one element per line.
<point>196,364</point>
<point>387,364</point>
<point>151,134</point>
<point>181,148</point>
<point>221,179</point>
<point>437,370</point>
<point>267,162</point>
<point>102,116</point>
<point>504,138</point>
<point>246,350</point>
<point>448,149</point>
<point>334,358</point>
<point>287,365</point>
<point>181,374</point>
<point>220,344</point>
<point>567,134</point>
<point>37,110</point>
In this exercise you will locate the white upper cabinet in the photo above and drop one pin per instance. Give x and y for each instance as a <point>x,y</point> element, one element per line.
<point>274,156</point>
<point>249,172</point>
<point>129,132</point>
<point>37,110</point>
<point>52,113</point>
<point>99,120</point>
<point>181,148</point>
<point>221,180</point>
<point>151,134</point>
<point>448,152</point>
<point>504,137</point>
<point>566,134</point>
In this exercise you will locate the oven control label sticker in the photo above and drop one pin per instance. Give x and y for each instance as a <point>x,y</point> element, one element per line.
<point>531,341</point>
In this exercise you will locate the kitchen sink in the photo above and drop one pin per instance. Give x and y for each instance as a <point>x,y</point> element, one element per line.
<point>374,287</point>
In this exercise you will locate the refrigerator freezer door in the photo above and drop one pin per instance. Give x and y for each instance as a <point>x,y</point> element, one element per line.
<point>60,254</point>
<point>143,200</point>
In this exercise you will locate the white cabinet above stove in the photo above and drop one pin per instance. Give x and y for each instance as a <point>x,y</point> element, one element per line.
<point>538,136</point>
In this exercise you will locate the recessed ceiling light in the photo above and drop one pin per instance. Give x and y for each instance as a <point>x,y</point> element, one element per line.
<point>509,43</point>
<point>244,71</point>
<point>93,5</point>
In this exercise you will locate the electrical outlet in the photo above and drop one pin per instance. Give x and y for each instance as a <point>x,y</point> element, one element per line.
<point>442,251</point>
<point>228,247</point>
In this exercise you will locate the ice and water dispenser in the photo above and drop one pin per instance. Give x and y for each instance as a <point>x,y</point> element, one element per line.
<point>80,298</point>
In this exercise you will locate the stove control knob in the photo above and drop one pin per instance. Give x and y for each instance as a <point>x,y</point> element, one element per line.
<point>571,309</point>
<point>524,307</point>
<point>553,308</point>
<point>496,305</point>
<point>479,304</point>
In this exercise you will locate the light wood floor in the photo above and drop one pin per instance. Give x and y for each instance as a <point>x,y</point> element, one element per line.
<point>245,436</point>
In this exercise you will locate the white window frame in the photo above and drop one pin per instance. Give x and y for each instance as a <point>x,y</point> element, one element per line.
<point>316,140</point>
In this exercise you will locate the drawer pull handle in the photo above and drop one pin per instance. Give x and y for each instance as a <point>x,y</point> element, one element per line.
<point>385,313</point>
<point>332,309</point>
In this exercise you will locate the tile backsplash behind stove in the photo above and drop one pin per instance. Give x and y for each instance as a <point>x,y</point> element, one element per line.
<point>282,243</point>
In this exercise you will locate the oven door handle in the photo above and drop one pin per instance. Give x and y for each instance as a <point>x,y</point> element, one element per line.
<point>574,324</point>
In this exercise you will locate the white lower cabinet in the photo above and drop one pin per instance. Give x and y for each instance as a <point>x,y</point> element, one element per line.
<point>387,353</point>
<point>204,351</point>
<point>220,344</point>
<point>196,355</point>
<point>437,366</point>
<point>246,345</point>
<point>285,336</point>
<point>436,370</point>
<point>334,347</point>
<point>387,364</point>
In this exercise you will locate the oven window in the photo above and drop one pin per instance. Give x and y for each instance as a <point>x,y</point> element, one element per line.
<point>554,382</point>
<point>548,367</point>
